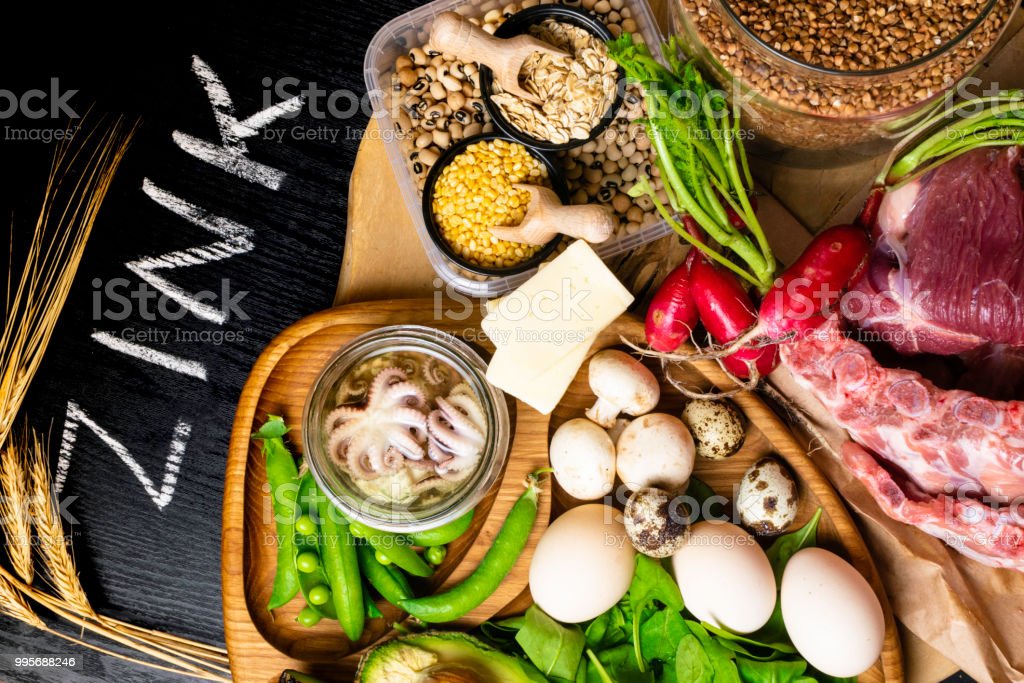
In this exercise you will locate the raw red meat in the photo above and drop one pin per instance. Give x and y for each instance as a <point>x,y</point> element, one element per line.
<point>943,455</point>
<point>947,273</point>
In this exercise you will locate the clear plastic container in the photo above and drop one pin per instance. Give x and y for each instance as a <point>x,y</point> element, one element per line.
<point>412,29</point>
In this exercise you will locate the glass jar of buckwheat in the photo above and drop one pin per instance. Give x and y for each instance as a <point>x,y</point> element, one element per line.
<point>827,81</point>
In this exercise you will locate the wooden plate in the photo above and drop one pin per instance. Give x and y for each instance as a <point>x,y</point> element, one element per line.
<point>766,434</point>
<point>261,644</point>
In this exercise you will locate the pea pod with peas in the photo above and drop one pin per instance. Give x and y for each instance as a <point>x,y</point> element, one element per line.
<point>492,570</point>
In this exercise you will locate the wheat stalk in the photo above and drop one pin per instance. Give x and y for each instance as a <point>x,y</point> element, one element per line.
<point>13,604</point>
<point>51,541</point>
<point>14,512</point>
<point>80,176</point>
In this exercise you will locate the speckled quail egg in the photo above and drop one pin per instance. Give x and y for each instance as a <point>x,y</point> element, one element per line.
<point>656,523</point>
<point>717,427</point>
<point>767,500</point>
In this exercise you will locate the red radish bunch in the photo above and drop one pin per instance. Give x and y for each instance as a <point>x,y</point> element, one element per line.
<point>796,304</point>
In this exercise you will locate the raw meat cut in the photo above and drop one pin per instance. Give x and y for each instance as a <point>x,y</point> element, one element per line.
<point>947,273</point>
<point>943,455</point>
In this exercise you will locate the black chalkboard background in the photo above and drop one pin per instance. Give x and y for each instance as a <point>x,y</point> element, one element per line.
<point>159,566</point>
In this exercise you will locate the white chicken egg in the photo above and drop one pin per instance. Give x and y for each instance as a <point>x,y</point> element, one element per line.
<point>725,577</point>
<point>583,564</point>
<point>833,617</point>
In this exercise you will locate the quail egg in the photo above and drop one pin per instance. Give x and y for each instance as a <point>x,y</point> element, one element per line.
<point>656,523</point>
<point>767,500</point>
<point>717,427</point>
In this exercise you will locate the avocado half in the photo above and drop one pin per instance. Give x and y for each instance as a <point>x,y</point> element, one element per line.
<point>443,657</point>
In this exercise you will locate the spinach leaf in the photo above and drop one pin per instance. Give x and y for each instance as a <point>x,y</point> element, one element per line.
<point>691,662</point>
<point>781,671</point>
<point>616,665</point>
<point>723,635</point>
<point>660,633</point>
<point>720,657</point>
<point>788,545</point>
<point>612,628</point>
<point>553,648</point>
<point>651,585</point>
<point>502,633</point>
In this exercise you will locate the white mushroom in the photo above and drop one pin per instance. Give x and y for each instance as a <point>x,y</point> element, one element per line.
<point>655,450</point>
<point>583,457</point>
<point>622,385</point>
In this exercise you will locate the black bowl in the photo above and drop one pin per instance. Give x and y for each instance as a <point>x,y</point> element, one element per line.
<point>520,23</point>
<point>557,184</point>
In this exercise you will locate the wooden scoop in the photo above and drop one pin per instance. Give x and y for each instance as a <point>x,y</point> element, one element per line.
<point>546,216</point>
<point>454,34</point>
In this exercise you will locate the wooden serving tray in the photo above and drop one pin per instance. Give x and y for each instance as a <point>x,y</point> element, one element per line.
<point>261,644</point>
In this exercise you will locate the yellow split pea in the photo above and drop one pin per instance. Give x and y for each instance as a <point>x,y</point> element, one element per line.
<point>474,192</point>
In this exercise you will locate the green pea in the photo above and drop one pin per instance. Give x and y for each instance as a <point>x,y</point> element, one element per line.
<point>307,562</point>
<point>435,554</point>
<point>305,525</point>
<point>389,581</point>
<point>508,545</point>
<point>308,617</point>
<point>319,595</point>
<point>381,558</point>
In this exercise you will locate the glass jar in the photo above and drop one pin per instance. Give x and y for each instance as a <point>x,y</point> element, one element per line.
<point>408,493</point>
<point>794,105</point>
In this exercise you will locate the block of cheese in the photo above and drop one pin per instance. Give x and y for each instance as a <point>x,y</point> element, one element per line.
<point>542,331</point>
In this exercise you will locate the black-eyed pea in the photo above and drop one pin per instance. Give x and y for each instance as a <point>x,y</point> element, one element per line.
<point>418,56</point>
<point>638,158</point>
<point>451,83</point>
<point>455,130</point>
<point>621,203</point>
<point>632,228</point>
<point>613,153</point>
<point>424,140</point>
<point>442,138</point>
<point>492,16</point>
<point>467,89</point>
<point>602,7</point>
<point>609,167</point>
<point>635,214</point>
<point>429,156</point>
<point>437,90</point>
<point>613,17</point>
<point>629,173</point>
<point>471,129</point>
<point>629,25</point>
<point>403,62</point>
<point>456,100</point>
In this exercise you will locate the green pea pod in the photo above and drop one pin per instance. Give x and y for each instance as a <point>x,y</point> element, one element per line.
<point>384,579</point>
<point>338,550</point>
<point>372,611</point>
<point>283,478</point>
<point>445,534</point>
<point>395,548</point>
<point>492,570</point>
<point>307,493</point>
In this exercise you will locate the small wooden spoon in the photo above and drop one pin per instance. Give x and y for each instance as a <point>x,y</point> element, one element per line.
<point>454,34</point>
<point>546,217</point>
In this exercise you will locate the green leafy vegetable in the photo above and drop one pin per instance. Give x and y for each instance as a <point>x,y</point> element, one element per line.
<point>696,137</point>
<point>788,545</point>
<point>651,584</point>
<point>553,648</point>
<point>692,663</point>
<point>781,671</point>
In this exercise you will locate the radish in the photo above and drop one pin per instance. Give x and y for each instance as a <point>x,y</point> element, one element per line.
<point>800,299</point>
<point>727,313</point>
<point>673,313</point>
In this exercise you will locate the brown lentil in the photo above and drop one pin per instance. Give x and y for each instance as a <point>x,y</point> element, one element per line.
<point>474,192</point>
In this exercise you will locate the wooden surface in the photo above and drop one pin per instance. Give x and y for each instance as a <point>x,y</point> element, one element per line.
<point>261,643</point>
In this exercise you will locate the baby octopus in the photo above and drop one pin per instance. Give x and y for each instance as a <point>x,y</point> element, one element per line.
<point>456,431</point>
<point>395,428</point>
<point>378,437</point>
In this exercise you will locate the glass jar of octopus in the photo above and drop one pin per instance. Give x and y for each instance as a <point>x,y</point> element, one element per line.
<point>402,430</point>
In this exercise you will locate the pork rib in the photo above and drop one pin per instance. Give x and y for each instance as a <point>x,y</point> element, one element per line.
<point>933,444</point>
